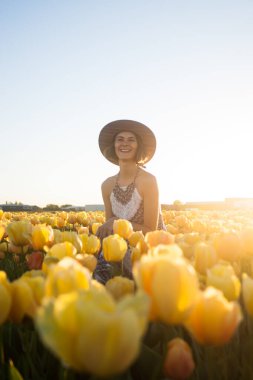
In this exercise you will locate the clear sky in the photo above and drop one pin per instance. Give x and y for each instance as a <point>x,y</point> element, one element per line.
<point>67,68</point>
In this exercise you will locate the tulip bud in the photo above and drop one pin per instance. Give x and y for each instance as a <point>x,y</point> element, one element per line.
<point>179,363</point>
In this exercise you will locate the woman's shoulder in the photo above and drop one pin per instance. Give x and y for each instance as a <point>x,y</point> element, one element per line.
<point>146,183</point>
<point>146,177</point>
<point>109,183</point>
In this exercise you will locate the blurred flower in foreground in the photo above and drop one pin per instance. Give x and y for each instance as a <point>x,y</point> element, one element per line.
<point>114,248</point>
<point>19,232</point>
<point>222,276</point>
<point>178,363</point>
<point>213,319</point>
<point>23,301</point>
<point>171,283</point>
<point>5,297</point>
<point>119,286</point>
<point>66,276</point>
<point>123,228</point>
<point>92,333</point>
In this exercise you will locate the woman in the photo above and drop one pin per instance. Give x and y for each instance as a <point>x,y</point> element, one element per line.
<point>132,193</point>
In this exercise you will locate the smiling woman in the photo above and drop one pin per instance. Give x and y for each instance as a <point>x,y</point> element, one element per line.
<point>132,193</point>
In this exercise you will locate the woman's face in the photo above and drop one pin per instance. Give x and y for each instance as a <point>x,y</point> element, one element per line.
<point>126,146</point>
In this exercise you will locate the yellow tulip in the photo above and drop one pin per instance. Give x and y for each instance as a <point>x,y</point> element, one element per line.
<point>83,230</point>
<point>247,293</point>
<point>5,297</point>
<point>36,284</point>
<point>205,256</point>
<point>73,237</point>
<point>114,248</point>
<point>95,226</point>
<point>4,246</point>
<point>135,237</point>
<point>66,276</point>
<point>192,237</point>
<point>42,235</point>
<point>228,245</point>
<point>19,232</point>
<point>82,218</point>
<point>92,245</point>
<point>222,276</point>
<point>60,222</point>
<point>47,262</point>
<point>154,238</point>
<point>23,301</point>
<point>87,260</point>
<point>171,283</point>
<point>213,319</point>
<point>119,286</point>
<point>135,254</point>
<point>187,248</point>
<point>91,333</point>
<point>166,249</point>
<point>1,213</point>
<point>61,250</point>
<point>57,236</point>
<point>2,231</point>
<point>123,228</point>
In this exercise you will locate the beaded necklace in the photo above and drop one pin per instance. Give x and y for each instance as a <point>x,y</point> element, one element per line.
<point>124,195</point>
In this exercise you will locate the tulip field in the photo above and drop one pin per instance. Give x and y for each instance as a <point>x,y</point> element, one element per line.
<point>184,312</point>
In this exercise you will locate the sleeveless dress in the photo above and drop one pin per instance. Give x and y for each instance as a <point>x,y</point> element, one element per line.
<point>126,203</point>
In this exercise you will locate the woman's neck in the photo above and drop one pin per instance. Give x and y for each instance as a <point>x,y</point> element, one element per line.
<point>127,173</point>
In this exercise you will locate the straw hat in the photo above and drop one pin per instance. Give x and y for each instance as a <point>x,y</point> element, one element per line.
<point>109,131</point>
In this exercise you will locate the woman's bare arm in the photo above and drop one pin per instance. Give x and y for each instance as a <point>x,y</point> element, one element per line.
<point>107,227</point>
<point>150,196</point>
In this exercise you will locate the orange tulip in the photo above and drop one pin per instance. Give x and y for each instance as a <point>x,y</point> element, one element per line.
<point>154,238</point>
<point>178,363</point>
<point>171,283</point>
<point>213,319</point>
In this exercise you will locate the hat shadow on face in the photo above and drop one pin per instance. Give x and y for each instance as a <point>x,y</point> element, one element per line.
<point>145,137</point>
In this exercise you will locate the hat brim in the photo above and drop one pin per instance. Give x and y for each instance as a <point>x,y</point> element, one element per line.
<point>109,131</point>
